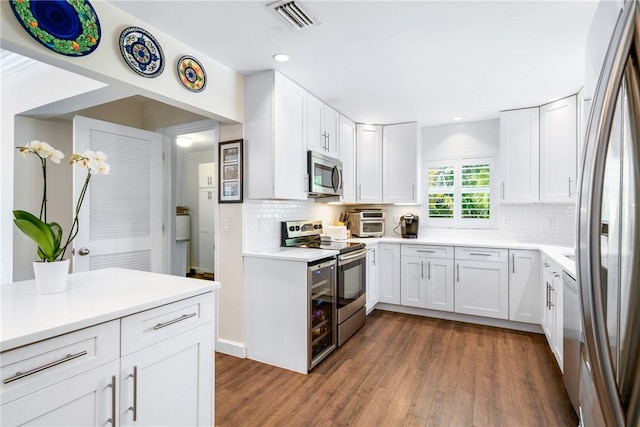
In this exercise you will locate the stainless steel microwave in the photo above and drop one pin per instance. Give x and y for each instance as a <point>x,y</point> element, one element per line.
<point>325,175</point>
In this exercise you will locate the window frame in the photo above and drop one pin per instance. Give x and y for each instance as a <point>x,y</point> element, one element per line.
<point>457,221</point>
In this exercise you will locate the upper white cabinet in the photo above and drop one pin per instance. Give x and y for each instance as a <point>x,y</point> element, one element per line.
<point>519,155</point>
<point>206,175</point>
<point>400,163</point>
<point>274,132</point>
<point>558,151</point>
<point>347,141</point>
<point>369,164</point>
<point>322,127</point>
<point>524,286</point>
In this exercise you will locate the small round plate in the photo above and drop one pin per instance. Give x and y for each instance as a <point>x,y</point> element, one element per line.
<point>191,73</point>
<point>69,28</point>
<point>142,52</point>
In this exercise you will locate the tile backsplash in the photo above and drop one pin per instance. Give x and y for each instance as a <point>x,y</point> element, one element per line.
<point>548,224</point>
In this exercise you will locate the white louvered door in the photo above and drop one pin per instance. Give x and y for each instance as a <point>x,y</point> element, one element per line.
<point>121,217</point>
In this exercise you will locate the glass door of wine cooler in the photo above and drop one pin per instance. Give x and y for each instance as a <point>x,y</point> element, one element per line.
<point>322,310</point>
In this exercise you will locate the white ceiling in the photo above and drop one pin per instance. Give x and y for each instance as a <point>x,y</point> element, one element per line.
<point>393,61</point>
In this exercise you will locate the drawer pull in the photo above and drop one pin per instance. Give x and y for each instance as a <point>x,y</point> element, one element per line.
<point>171,322</point>
<point>425,251</point>
<point>20,375</point>
<point>479,254</point>
<point>112,420</point>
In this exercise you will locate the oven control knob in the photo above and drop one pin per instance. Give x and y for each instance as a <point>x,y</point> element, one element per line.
<point>315,227</point>
<point>292,228</point>
<point>297,228</point>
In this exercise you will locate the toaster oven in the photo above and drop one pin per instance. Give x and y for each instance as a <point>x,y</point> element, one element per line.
<point>366,223</point>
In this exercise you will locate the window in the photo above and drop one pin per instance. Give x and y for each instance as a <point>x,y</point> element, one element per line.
<point>459,193</point>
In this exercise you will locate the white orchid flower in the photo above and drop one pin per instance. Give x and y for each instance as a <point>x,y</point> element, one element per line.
<point>104,168</point>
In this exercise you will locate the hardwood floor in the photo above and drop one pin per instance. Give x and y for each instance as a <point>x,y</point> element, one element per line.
<point>403,370</point>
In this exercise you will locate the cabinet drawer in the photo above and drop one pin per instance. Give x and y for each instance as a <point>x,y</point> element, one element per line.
<point>483,254</point>
<point>149,327</point>
<point>27,369</point>
<point>552,267</point>
<point>427,251</point>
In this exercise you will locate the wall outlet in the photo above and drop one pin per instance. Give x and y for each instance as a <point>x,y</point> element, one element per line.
<point>226,225</point>
<point>550,221</point>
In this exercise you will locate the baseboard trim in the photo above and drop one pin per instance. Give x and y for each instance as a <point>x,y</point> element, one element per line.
<point>232,348</point>
<point>487,321</point>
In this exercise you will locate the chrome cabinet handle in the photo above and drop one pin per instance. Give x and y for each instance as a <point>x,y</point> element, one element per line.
<point>479,254</point>
<point>429,270</point>
<point>457,272</point>
<point>20,375</point>
<point>112,420</point>
<point>513,263</point>
<point>422,269</point>
<point>502,190</point>
<point>425,251</point>
<point>134,407</point>
<point>360,191</point>
<point>548,296</point>
<point>551,290</point>
<point>570,181</point>
<point>171,322</point>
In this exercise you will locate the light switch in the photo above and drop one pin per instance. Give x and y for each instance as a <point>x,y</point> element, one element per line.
<point>226,225</point>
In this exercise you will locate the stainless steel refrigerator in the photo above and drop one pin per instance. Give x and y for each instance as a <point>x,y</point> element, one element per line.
<point>608,220</point>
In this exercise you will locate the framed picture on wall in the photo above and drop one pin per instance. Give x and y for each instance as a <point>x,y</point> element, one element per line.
<point>231,172</point>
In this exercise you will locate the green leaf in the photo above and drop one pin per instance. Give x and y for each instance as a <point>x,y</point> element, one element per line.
<point>56,230</point>
<point>38,236</point>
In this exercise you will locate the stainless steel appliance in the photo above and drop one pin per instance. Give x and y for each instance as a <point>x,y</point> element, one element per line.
<point>366,223</point>
<point>321,279</point>
<point>409,226</point>
<point>325,175</point>
<point>351,276</point>
<point>571,331</point>
<point>609,266</point>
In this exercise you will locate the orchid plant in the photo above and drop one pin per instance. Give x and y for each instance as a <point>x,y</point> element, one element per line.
<point>48,235</point>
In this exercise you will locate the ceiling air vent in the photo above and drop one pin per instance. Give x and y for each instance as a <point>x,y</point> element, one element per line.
<point>294,13</point>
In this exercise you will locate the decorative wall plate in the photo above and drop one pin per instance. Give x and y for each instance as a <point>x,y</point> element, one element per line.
<point>142,52</point>
<point>67,27</point>
<point>191,74</point>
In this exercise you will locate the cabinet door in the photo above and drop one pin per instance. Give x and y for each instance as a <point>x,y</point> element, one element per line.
<point>482,289</point>
<point>369,163</point>
<point>389,273</point>
<point>289,157</point>
<point>316,140</point>
<point>524,286</point>
<point>331,129</point>
<point>520,155</point>
<point>439,284</point>
<point>372,279</point>
<point>413,281</point>
<point>547,309</point>
<point>400,163</point>
<point>206,175</point>
<point>169,383</point>
<point>348,157</point>
<point>206,212</point>
<point>557,301</point>
<point>87,399</point>
<point>558,146</point>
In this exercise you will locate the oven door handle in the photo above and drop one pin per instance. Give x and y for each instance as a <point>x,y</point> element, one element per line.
<point>360,254</point>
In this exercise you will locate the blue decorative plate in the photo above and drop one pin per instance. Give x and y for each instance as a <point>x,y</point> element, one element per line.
<point>142,52</point>
<point>68,27</point>
<point>191,73</point>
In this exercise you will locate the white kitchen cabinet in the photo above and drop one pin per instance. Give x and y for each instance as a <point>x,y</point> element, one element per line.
<point>206,175</point>
<point>551,318</point>
<point>368,163</point>
<point>322,127</point>
<point>482,282</point>
<point>524,286</point>
<point>413,281</point>
<point>388,255</point>
<point>372,278</point>
<point>400,163</point>
<point>558,151</point>
<point>347,143</point>
<point>520,155</point>
<point>88,399</point>
<point>275,134</point>
<point>206,224</point>
<point>169,383</point>
<point>427,277</point>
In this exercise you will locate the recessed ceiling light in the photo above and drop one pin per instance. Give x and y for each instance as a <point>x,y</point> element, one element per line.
<point>184,141</point>
<point>281,57</point>
<point>457,119</point>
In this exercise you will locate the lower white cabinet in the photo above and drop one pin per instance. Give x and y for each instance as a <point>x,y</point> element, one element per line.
<point>413,282</point>
<point>482,282</point>
<point>388,255</point>
<point>524,286</point>
<point>551,318</point>
<point>154,367</point>
<point>426,279</point>
<point>372,278</point>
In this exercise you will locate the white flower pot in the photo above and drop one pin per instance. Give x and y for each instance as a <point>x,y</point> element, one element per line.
<point>51,277</point>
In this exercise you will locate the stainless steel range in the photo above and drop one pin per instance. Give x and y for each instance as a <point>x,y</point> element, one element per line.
<point>351,273</point>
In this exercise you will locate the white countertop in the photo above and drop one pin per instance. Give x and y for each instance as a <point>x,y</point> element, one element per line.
<point>92,297</point>
<point>309,255</point>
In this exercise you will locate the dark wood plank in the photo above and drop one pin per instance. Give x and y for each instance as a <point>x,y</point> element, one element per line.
<point>402,370</point>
